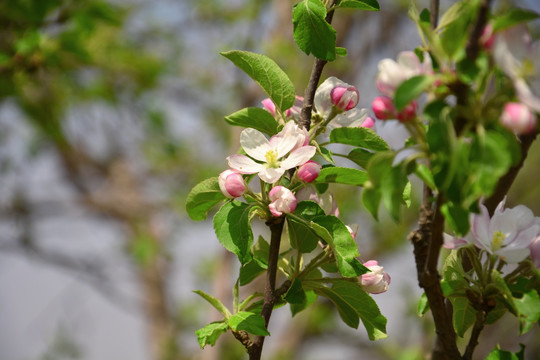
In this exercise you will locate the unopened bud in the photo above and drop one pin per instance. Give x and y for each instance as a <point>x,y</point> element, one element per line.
<point>408,113</point>
<point>376,281</point>
<point>344,98</point>
<point>282,201</point>
<point>383,108</point>
<point>309,171</point>
<point>518,117</point>
<point>231,184</point>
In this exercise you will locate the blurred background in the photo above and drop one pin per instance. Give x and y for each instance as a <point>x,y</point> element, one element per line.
<point>110,112</point>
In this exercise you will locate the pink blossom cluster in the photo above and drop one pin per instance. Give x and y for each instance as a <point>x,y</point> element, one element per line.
<point>512,234</point>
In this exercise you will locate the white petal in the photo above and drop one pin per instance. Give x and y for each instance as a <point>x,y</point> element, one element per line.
<point>298,157</point>
<point>525,95</point>
<point>271,175</point>
<point>513,255</point>
<point>322,101</point>
<point>254,143</point>
<point>286,140</point>
<point>244,164</point>
<point>409,62</point>
<point>351,118</point>
<point>481,229</point>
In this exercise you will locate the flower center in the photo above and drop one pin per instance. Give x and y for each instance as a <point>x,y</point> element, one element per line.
<point>498,240</point>
<point>272,159</point>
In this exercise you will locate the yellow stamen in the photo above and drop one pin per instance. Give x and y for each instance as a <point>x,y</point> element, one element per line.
<point>498,240</point>
<point>272,159</point>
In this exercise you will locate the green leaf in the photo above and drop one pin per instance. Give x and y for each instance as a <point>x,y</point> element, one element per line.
<point>454,24</point>
<point>203,197</point>
<point>341,51</point>
<point>370,5</point>
<point>296,294</point>
<point>214,302</point>
<point>250,271</point>
<point>498,354</point>
<point>453,281</point>
<point>361,137</point>
<point>353,304</point>
<point>341,175</point>
<point>233,230</point>
<point>424,173</point>
<point>248,321</point>
<point>311,296</point>
<point>267,74</point>
<point>454,12</point>
<point>360,156</point>
<point>464,315</point>
<point>301,234</point>
<point>529,310</point>
<point>343,246</point>
<point>256,118</point>
<point>505,293</point>
<point>423,305</point>
<point>457,217</point>
<point>371,198</point>
<point>513,17</point>
<point>210,333</point>
<point>311,32</point>
<point>326,154</point>
<point>410,89</point>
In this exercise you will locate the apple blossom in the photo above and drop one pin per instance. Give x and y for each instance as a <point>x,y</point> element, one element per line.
<point>392,74</point>
<point>326,201</point>
<point>376,281</point>
<point>518,117</point>
<point>335,94</point>
<point>519,58</point>
<point>535,252</point>
<point>282,201</point>
<point>271,154</point>
<point>408,113</point>
<point>309,171</point>
<point>293,112</point>
<point>231,184</point>
<point>368,122</point>
<point>508,233</point>
<point>383,108</point>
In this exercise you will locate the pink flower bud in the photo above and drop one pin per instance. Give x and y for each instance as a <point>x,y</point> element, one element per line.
<point>231,184</point>
<point>294,111</point>
<point>535,252</point>
<point>383,107</point>
<point>282,201</point>
<point>376,281</point>
<point>518,117</point>
<point>408,113</point>
<point>368,123</point>
<point>487,38</point>
<point>269,106</point>
<point>309,171</point>
<point>344,98</point>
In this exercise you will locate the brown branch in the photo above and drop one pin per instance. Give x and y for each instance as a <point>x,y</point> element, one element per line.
<point>477,329</point>
<point>316,72</point>
<point>276,228</point>
<point>473,45</point>
<point>434,13</point>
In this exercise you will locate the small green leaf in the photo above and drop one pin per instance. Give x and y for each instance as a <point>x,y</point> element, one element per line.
<point>311,32</point>
<point>203,197</point>
<point>464,315</point>
<point>410,89</point>
<point>341,51</point>
<point>343,246</point>
<point>424,173</point>
<point>423,305</point>
<point>353,303</point>
<point>248,321</point>
<point>457,217</point>
<point>498,354</point>
<point>342,175</point>
<point>210,333</point>
<point>256,118</point>
<point>311,296</point>
<point>359,136</point>
<point>267,74</point>
<point>529,310</point>
<point>296,294</point>
<point>370,5</point>
<point>505,293</point>
<point>513,17</point>
<point>360,156</point>
<point>233,230</point>
<point>214,302</point>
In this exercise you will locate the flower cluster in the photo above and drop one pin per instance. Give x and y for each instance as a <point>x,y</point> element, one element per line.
<point>391,75</point>
<point>519,58</point>
<point>512,234</point>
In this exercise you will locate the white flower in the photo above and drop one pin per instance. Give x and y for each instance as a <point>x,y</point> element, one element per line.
<point>508,233</point>
<point>282,201</point>
<point>392,74</point>
<point>376,281</point>
<point>519,58</point>
<point>326,98</point>
<point>271,154</point>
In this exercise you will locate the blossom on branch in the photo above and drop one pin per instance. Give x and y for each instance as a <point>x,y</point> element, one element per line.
<point>271,160</point>
<point>376,281</point>
<point>509,233</point>
<point>231,184</point>
<point>518,118</point>
<point>392,74</point>
<point>282,201</point>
